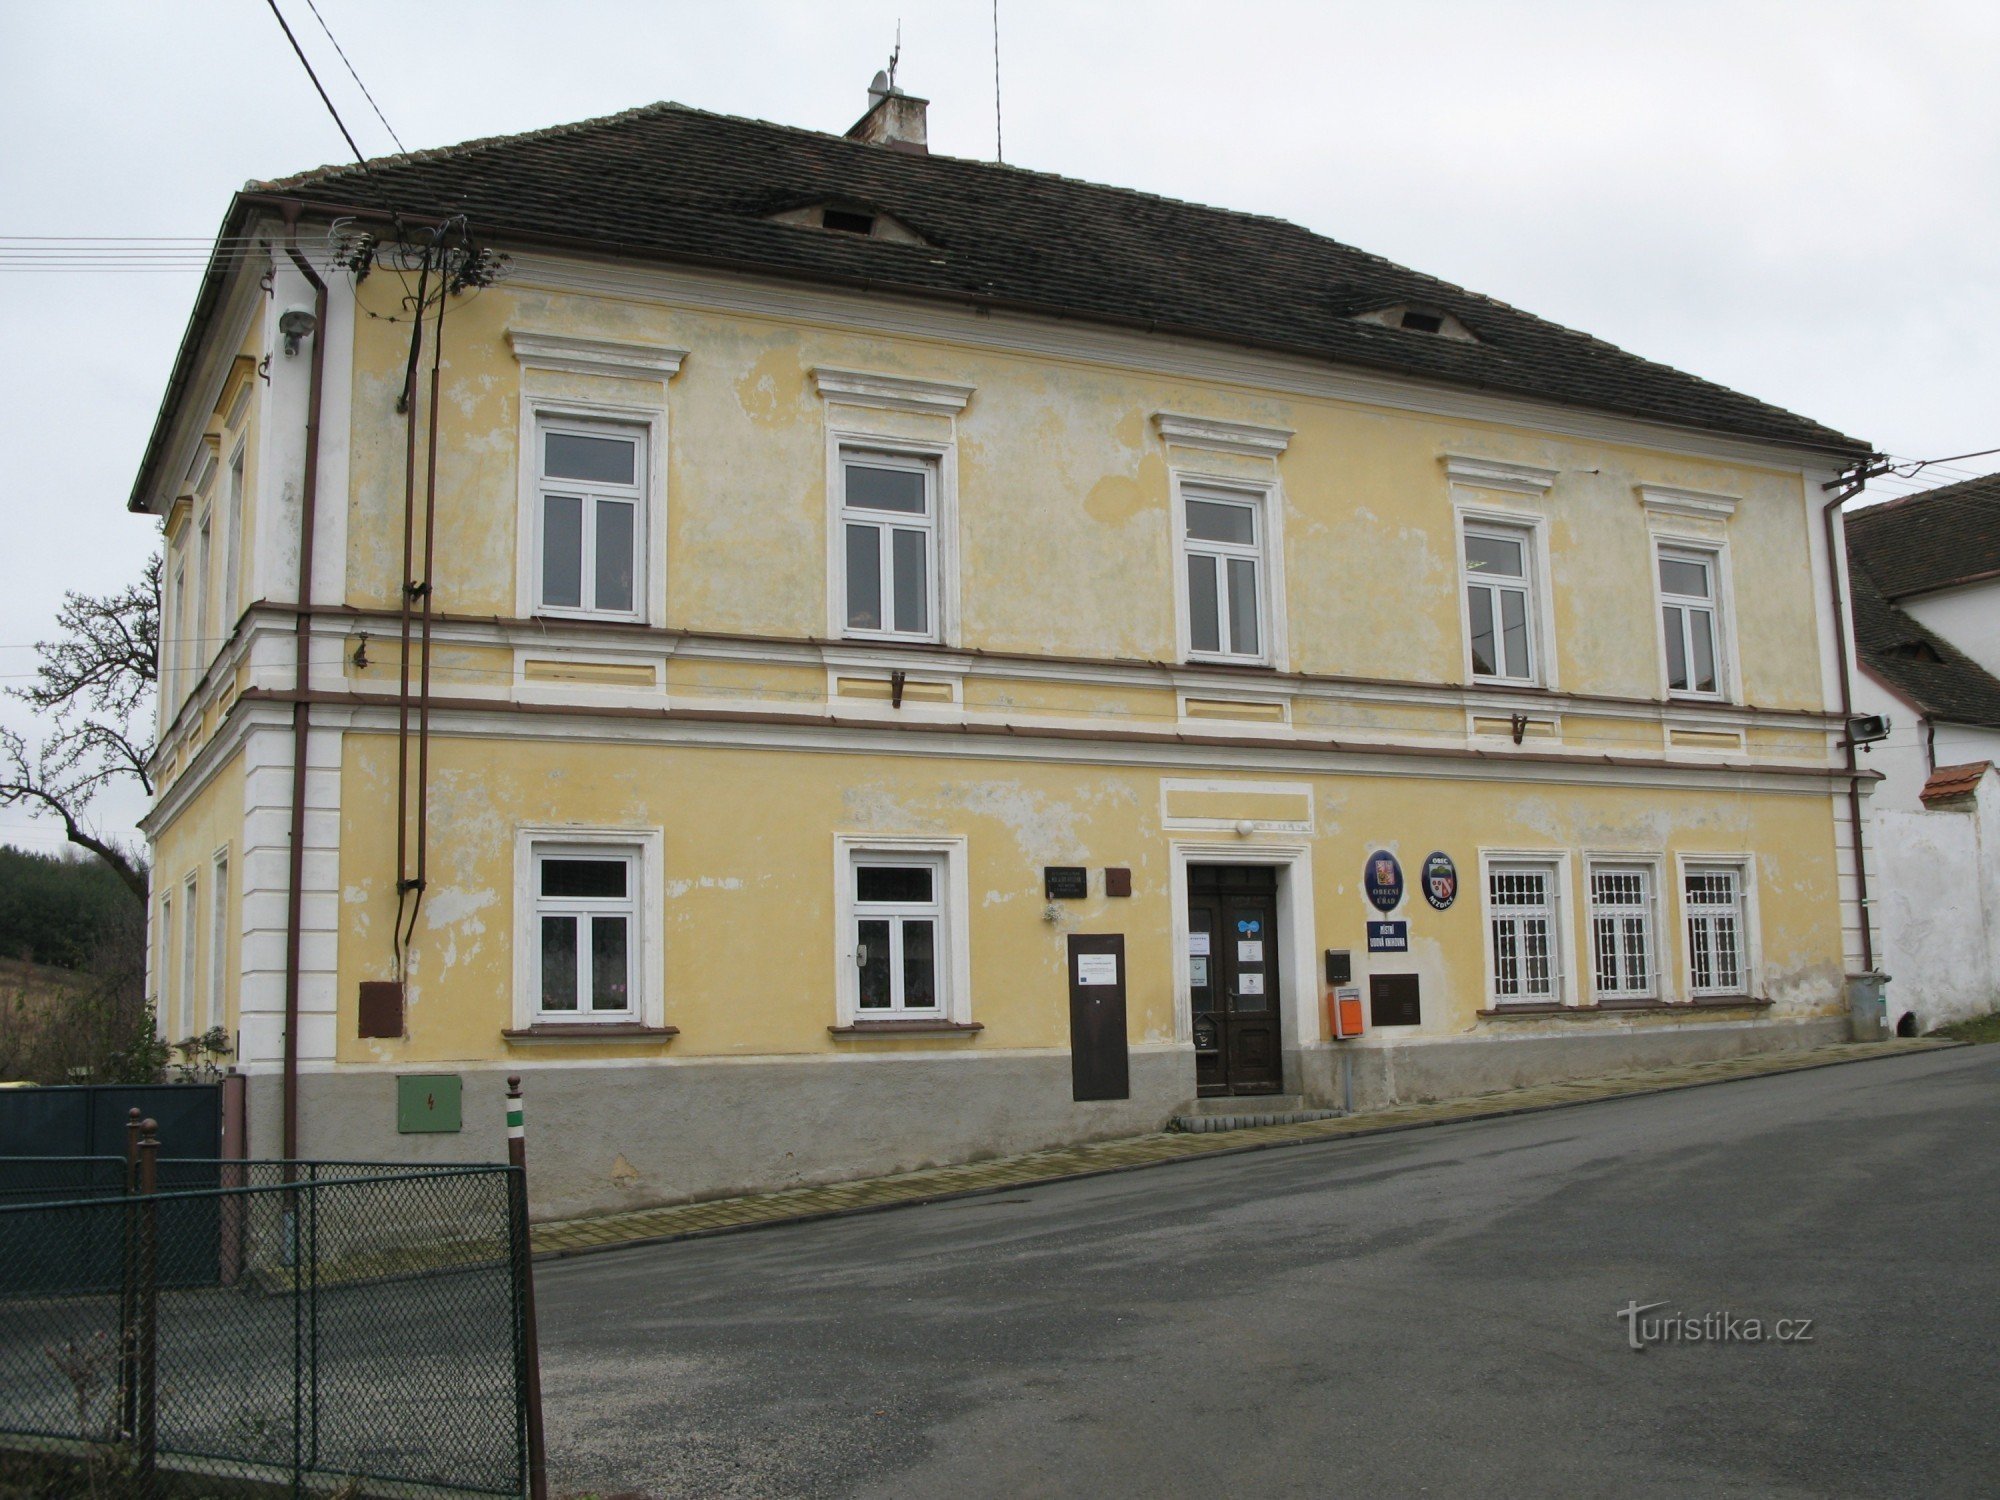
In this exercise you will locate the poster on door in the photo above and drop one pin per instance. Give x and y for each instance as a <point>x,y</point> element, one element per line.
<point>1096,968</point>
<point>1249,984</point>
<point>1250,951</point>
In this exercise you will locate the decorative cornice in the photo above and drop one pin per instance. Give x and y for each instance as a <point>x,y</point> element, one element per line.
<point>1223,437</point>
<point>581,356</point>
<point>1498,474</point>
<point>891,392</point>
<point>1659,497</point>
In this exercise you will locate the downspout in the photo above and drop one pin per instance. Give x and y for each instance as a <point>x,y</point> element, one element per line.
<point>302,678</point>
<point>1834,553</point>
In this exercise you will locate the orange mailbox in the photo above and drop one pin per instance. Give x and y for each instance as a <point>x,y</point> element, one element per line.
<point>1343,1012</point>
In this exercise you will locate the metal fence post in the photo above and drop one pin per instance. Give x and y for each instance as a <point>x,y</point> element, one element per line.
<point>517,1158</point>
<point>146,1435</point>
<point>128,1289</point>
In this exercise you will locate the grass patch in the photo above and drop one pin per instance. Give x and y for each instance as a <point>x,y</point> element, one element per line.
<point>1979,1029</point>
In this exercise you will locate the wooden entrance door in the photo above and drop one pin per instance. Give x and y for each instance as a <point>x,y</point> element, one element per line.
<point>1233,979</point>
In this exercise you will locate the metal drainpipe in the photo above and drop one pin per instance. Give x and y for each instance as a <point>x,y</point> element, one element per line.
<point>302,679</point>
<point>1833,557</point>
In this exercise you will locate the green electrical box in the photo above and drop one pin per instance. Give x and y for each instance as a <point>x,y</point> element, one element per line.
<point>427,1102</point>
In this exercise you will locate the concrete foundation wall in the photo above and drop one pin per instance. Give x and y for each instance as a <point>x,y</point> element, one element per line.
<point>1411,1073</point>
<point>605,1139</point>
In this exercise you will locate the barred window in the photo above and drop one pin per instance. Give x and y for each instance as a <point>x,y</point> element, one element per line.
<point>1713,898</point>
<point>1621,931</point>
<point>1520,901</point>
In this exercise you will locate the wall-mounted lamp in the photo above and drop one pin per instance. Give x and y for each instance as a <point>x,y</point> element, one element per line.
<point>296,323</point>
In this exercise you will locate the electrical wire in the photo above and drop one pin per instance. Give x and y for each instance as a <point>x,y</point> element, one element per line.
<point>357,78</point>
<point>307,65</point>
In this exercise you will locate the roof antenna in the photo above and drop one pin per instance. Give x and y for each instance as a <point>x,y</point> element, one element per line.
<point>896,56</point>
<point>999,154</point>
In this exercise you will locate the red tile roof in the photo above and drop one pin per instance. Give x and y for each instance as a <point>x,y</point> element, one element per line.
<point>1955,781</point>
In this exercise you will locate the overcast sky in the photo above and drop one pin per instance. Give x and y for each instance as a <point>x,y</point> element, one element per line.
<point>1800,200</point>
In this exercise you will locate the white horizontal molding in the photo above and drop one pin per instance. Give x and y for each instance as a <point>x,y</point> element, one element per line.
<point>581,356</point>
<point>1666,499</point>
<point>1222,437</point>
<point>1498,474</point>
<point>891,392</point>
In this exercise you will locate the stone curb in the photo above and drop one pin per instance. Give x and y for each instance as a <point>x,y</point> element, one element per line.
<point>735,1215</point>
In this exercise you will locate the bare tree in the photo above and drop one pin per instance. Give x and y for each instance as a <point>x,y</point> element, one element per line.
<point>95,684</point>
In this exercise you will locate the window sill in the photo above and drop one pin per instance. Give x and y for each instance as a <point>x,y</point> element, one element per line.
<point>906,1028</point>
<point>586,1031</point>
<point>1620,1007</point>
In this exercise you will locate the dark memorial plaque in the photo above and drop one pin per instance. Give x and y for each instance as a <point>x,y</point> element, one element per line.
<point>1065,882</point>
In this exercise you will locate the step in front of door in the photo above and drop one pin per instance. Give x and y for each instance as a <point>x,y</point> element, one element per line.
<point>1249,1119</point>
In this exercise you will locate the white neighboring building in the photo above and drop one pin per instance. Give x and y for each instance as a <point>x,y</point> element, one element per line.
<point>1925,576</point>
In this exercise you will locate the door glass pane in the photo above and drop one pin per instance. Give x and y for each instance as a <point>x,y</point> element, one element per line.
<point>610,981</point>
<point>864,578</point>
<point>558,963</point>
<point>873,959</point>
<point>908,885</point>
<point>599,878</point>
<point>1479,602</point>
<point>1679,576</point>
<point>1677,660</point>
<point>1513,633</point>
<point>1204,615</point>
<point>1243,606</point>
<point>906,560</point>
<point>1493,555</point>
<point>601,460</point>
<point>562,551</point>
<point>885,489</point>
<point>919,964</point>
<point>1636,965</point>
<point>1703,630</point>
<point>1201,958</point>
<point>1208,521</point>
<point>614,554</point>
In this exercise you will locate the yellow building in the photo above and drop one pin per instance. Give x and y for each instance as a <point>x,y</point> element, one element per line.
<point>828,658</point>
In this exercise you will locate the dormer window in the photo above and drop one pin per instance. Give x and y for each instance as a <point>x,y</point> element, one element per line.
<point>1417,317</point>
<point>1918,651</point>
<point>849,218</point>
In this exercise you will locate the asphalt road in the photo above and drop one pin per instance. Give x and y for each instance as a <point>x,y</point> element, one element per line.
<point>1428,1313</point>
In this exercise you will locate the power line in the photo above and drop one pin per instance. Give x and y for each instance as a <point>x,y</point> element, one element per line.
<point>357,78</point>
<point>999,154</point>
<point>300,51</point>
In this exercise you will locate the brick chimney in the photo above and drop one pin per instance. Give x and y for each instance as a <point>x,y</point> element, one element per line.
<point>894,119</point>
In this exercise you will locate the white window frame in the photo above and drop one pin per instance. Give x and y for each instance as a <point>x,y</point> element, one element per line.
<point>203,562</point>
<point>190,955</point>
<point>166,972</point>
<point>954,963</point>
<point>1714,554</point>
<point>1749,945</point>
<point>905,458</point>
<point>1531,531</point>
<point>649,557</point>
<point>1648,867</point>
<point>1265,500</point>
<point>232,538</point>
<point>589,493</point>
<point>645,949</point>
<point>847,437</point>
<point>218,940</point>
<point>1563,925</point>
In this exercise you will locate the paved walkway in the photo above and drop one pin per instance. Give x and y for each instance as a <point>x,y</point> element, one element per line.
<point>723,1215</point>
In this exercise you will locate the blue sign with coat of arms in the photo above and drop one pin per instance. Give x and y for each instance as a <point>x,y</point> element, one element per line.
<point>1440,880</point>
<point>1382,880</point>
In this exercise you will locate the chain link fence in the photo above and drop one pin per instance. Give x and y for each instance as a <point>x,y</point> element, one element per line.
<point>262,1328</point>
